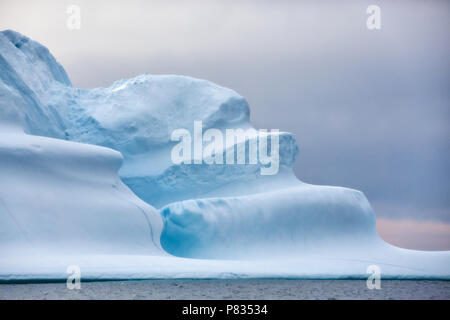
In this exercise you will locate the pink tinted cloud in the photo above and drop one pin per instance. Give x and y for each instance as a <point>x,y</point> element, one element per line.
<point>415,234</point>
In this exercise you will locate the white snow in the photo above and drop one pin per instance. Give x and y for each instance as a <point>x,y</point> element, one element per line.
<point>62,202</point>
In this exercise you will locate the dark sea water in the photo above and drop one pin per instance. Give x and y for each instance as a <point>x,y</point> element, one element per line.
<point>230,289</point>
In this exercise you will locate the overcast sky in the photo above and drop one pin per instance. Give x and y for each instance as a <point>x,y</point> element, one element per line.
<point>370,108</point>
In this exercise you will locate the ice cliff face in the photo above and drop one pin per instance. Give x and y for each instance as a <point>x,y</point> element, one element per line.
<point>60,193</point>
<point>28,75</point>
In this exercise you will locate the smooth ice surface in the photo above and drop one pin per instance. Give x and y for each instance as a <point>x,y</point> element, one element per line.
<point>64,196</point>
<point>62,150</point>
<point>292,222</point>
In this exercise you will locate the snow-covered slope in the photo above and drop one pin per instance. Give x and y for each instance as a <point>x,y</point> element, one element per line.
<point>60,196</point>
<point>62,201</point>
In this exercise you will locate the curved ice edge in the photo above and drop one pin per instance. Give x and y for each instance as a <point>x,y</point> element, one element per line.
<point>295,220</point>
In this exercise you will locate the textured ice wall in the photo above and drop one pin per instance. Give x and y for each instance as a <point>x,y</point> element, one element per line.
<point>134,116</point>
<point>29,75</point>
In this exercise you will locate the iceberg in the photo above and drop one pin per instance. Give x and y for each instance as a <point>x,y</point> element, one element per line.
<point>87,179</point>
